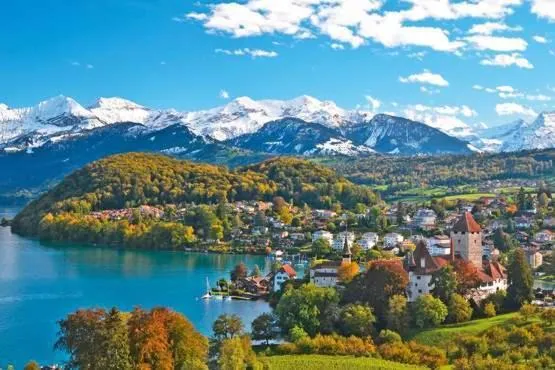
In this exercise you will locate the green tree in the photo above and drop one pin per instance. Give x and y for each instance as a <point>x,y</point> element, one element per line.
<point>296,333</point>
<point>429,311</point>
<point>444,283</point>
<point>231,355</point>
<point>321,247</point>
<point>459,309</point>
<point>307,307</point>
<point>521,199</point>
<point>520,290</point>
<point>227,326</point>
<point>263,328</point>
<point>116,342</point>
<point>527,311</point>
<point>397,316</point>
<point>357,320</point>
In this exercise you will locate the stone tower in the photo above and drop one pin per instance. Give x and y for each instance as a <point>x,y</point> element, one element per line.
<point>466,237</point>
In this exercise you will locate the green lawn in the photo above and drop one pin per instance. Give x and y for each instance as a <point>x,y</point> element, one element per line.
<point>443,334</point>
<point>468,197</point>
<point>321,362</point>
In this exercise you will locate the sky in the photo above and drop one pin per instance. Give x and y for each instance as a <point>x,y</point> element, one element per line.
<point>474,61</point>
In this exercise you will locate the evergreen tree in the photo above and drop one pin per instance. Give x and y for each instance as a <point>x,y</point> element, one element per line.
<point>116,342</point>
<point>520,290</point>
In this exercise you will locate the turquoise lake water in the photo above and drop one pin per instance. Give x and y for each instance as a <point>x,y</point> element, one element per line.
<point>41,283</point>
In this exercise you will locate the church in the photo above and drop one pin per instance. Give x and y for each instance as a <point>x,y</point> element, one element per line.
<point>466,244</point>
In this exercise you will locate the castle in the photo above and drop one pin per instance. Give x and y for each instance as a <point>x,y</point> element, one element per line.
<point>466,245</point>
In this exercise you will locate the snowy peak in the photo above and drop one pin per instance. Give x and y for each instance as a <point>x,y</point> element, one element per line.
<point>522,135</point>
<point>53,109</point>
<point>113,110</point>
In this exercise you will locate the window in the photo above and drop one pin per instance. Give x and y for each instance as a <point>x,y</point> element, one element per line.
<point>419,290</point>
<point>418,278</point>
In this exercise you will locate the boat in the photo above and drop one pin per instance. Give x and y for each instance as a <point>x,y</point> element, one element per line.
<point>219,297</point>
<point>208,294</point>
<point>227,298</point>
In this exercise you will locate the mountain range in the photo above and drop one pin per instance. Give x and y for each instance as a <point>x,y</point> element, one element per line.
<point>59,134</point>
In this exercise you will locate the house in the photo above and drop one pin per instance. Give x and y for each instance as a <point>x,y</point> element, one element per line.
<point>322,234</point>
<point>260,230</point>
<point>439,245</point>
<point>425,219</point>
<point>324,214</point>
<point>523,222</point>
<point>392,239</point>
<point>549,222</point>
<point>341,238</point>
<point>297,236</point>
<point>254,284</point>
<point>534,258</point>
<point>325,274</point>
<point>280,234</point>
<point>368,240</point>
<point>544,236</point>
<point>286,272</point>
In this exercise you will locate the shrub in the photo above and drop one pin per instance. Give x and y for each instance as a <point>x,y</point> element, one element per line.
<point>459,309</point>
<point>489,309</point>
<point>527,311</point>
<point>389,336</point>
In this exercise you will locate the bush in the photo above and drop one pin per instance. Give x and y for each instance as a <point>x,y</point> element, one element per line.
<point>389,336</point>
<point>413,353</point>
<point>330,345</point>
<point>489,309</point>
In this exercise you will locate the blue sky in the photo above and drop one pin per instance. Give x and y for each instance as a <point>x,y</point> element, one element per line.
<point>471,61</point>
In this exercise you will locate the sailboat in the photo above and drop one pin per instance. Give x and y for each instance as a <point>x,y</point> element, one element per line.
<point>208,294</point>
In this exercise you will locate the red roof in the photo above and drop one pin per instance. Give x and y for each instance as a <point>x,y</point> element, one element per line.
<point>288,270</point>
<point>467,224</point>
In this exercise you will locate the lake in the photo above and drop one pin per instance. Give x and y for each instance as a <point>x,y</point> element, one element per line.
<point>41,283</point>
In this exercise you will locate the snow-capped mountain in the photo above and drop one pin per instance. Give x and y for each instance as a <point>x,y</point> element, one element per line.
<point>62,118</point>
<point>298,137</point>
<point>245,116</point>
<point>522,135</point>
<point>395,135</point>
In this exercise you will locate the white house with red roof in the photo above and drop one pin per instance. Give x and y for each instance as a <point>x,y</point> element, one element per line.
<point>286,272</point>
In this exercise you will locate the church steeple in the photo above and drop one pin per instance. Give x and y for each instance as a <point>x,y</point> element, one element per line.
<point>346,250</point>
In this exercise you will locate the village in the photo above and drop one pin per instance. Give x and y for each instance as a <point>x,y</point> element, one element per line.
<point>317,242</point>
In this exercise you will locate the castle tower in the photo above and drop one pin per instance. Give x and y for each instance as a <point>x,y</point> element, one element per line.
<point>466,238</point>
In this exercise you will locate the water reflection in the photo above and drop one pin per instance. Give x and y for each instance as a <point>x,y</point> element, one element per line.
<point>40,283</point>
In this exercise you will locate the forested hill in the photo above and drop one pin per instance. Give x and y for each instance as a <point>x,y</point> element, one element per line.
<point>410,172</point>
<point>134,179</point>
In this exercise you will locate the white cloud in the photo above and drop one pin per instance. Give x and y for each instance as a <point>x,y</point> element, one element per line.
<point>505,89</point>
<point>75,64</point>
<point>446,118</point>
<point>194,16</point>
<point>336,46</point>
<point>374,103</point>
<point>426,77</point>
<point>89,66</point>
<point>489,28</point>
<point>540,39</point>
<point>507,60</point>
<point>544,9</point>
<point>509,109</point>
<point>224,94</point>
<point>538,97</point>
<point>478,87</point>
<point>255,53</point>
<point>497,43</point>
